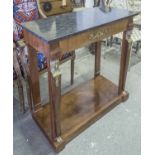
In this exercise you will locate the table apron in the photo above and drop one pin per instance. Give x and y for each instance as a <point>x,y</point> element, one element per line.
<point>94,35</point>
<point>75,41</point>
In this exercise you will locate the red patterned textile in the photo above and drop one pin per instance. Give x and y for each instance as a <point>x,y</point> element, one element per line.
<point>24,10</point>
<point>15,31</point>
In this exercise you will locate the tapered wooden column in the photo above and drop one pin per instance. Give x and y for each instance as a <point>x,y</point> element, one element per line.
<point>125,55</point>
<point>54,83</point>
<point>97,58</point>
<point>34,78</point>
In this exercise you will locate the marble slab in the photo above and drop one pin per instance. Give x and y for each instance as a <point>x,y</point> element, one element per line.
<point>58,27</point>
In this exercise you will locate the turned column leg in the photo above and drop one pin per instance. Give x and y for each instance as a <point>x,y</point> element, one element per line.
<point>130,50</point>
<point>19,81</point>
<point>72,68</point>
<point>29,99</point>
<point>34,78</point>
<point>21,94</point>
<point>23,60</point>
<point>97,58</point>
<point>125,55</point>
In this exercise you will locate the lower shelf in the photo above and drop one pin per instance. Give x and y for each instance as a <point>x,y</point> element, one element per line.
<point>81,107</point>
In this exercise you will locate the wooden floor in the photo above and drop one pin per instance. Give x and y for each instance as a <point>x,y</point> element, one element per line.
<point>81,107</point>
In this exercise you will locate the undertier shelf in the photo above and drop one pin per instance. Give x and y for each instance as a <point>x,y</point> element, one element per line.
<point>81,107</point>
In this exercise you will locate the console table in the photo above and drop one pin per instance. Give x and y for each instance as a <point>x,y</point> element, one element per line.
<point>66,116</point>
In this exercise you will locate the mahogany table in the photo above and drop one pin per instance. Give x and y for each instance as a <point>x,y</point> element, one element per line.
<point>66,116</point>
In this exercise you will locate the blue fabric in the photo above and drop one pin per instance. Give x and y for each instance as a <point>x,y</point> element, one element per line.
<point>42,64</point>
<point>26,10</point>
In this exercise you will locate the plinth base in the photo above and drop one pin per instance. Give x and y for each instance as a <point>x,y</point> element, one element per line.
<point>80,108</point>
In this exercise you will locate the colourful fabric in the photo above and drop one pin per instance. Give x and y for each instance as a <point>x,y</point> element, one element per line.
<point>24,10</point>
<point>16,36</point>
<point>66,55</point>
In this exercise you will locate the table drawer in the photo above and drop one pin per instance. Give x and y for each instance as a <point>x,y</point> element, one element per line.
<point>83,39</point>
<point>56,7</point>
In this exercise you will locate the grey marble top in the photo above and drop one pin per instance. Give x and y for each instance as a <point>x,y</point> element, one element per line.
<point>58,27</point>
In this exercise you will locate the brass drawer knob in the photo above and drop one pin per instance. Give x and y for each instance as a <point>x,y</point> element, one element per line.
<point>47,6</point>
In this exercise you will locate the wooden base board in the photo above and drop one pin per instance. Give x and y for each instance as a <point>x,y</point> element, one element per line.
<point>80,108</point>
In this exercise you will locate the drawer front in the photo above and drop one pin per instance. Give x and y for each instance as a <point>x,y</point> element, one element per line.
<point>56,7</point>
<point>92,36</point>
